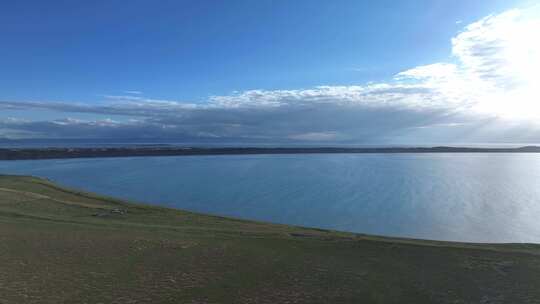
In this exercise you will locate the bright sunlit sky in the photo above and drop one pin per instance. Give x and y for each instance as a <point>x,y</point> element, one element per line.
<point>332,72</point>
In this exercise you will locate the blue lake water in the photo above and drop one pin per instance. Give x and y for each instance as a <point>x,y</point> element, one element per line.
<point>463,197</point>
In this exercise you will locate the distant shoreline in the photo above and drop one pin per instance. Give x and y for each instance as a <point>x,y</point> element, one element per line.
<point>58,153</point>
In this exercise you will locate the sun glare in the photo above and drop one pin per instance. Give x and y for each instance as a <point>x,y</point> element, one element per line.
<point>515,94</point>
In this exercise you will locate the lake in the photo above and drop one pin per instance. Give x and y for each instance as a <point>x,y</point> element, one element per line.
<point>457,197</point>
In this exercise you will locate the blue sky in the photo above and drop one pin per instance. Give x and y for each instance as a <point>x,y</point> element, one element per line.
<point>188,50</point>
<point>209,68</point>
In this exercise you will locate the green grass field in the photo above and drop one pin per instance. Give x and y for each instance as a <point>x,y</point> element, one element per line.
<point>63,246</point>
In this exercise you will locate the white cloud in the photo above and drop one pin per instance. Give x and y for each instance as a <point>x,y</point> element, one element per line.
<point>500,49</point>
<point>120,101</point>
<point>496,69</point>
<point>14,120</point>
<point>495,74</point>
<point>316,136</point>
<point>436,72</point>
<point>107,122</point>
<point>490,82</point>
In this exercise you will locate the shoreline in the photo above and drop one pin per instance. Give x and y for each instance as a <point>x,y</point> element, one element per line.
<point>346,235</point>
<point>107,250</point>
<point>59,153</point>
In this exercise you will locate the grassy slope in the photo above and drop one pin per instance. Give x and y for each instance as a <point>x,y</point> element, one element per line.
<point>53,250</point>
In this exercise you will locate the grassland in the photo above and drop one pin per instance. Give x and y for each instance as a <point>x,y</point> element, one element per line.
<point>64,246</point>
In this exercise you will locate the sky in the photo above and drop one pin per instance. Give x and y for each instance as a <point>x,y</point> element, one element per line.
<point>273,72</point>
